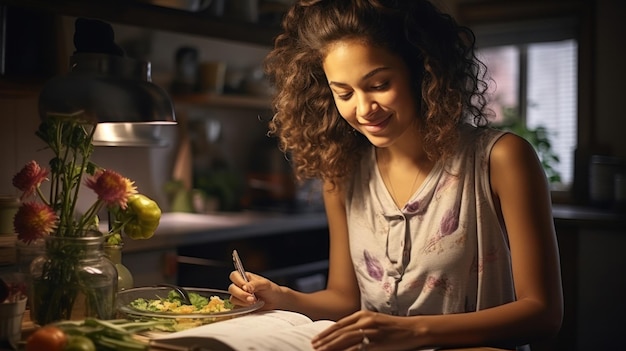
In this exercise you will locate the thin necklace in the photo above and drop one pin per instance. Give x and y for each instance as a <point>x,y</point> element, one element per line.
<point>393,191</point>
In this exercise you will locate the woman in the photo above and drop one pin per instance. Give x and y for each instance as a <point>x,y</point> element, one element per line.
<point>441,231</point>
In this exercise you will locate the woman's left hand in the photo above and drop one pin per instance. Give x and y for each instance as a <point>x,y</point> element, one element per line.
<point>366,330</point>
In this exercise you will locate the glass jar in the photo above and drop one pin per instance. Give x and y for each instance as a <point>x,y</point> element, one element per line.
<point>124,276</point>
<point>73,280</point>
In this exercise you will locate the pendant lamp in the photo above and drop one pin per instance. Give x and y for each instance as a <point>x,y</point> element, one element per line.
<point>115,90</point>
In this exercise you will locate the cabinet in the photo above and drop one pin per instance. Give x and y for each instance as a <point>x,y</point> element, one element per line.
<point>591,243</point>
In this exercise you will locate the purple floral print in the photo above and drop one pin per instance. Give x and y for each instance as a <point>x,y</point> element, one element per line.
<point>412,207</point>
<point>449,222</point>
<point>374,267</point>
<point>448,225</point>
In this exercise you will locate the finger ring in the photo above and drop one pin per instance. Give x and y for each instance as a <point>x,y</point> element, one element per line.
<point>364,342</point>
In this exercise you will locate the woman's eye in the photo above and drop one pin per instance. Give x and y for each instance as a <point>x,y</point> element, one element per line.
<point>381,86</point>
<point>345,96</point>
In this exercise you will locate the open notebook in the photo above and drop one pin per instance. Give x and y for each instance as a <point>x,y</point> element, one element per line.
<point>271,330</point>
<point>263,331</point>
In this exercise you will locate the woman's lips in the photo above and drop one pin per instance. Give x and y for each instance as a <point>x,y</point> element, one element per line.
<point>377,126</point>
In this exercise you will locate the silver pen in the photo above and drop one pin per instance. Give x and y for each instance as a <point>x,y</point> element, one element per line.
<point>239,266</point>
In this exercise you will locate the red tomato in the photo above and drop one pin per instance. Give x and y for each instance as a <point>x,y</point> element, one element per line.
<point>48,338</point>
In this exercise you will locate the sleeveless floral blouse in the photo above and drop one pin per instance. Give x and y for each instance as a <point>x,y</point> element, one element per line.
<point>446,251</point>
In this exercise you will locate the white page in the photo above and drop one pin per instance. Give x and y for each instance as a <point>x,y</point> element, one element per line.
<point>255,323</point>
<point>296,338</point>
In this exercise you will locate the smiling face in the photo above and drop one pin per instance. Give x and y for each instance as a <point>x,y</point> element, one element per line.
<point>372,91</point>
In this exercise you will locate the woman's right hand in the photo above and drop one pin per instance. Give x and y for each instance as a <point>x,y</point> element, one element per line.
<point>257,288</point>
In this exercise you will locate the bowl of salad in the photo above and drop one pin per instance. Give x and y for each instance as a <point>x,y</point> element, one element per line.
<point>165,302</point>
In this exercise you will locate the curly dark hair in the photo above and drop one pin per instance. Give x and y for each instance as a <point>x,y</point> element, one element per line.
<point>447,79</point>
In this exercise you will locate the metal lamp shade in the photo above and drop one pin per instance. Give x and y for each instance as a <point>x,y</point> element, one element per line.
<point>117,93</point>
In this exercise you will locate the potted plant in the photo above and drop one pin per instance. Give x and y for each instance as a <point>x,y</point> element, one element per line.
<point>73,266</point>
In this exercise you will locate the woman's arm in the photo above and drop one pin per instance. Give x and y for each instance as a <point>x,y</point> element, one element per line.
<point>522,192</point>
<point>341,296</point>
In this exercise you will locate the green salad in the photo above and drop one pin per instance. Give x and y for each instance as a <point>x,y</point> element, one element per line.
<point>173,303</point>
<point>172,306</point>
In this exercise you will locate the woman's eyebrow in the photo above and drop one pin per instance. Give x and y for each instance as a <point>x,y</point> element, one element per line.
<point>366,76</point>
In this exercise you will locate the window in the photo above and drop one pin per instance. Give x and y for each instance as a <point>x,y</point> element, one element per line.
<point>534,73</point>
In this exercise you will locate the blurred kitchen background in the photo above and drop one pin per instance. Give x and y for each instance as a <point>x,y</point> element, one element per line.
<point>219,158</point>
<point>559,69</point>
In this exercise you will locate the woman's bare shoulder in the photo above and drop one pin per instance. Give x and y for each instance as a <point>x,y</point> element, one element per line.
<point>515,168</point>
<point>511,150</point>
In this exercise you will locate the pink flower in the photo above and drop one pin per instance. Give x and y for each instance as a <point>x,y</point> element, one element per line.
<point>112,188</point>
<point>34,220</point>
<point>29,178</point>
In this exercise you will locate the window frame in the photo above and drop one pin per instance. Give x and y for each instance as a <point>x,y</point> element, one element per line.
<point>578,19</point>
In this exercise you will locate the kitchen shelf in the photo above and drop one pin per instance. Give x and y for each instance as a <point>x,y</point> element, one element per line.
<point>229,101</point>
<point>135,13</point>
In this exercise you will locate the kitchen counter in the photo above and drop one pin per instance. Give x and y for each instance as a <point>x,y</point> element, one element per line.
<point>184,229</point>
<point>589,217</point>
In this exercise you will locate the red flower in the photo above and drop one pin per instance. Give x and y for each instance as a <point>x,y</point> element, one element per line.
<point>112,188</point>
<point>34,220</point>
<point>29,178</point>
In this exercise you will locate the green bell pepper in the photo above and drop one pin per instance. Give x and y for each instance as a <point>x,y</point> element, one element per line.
<point>145,217</point>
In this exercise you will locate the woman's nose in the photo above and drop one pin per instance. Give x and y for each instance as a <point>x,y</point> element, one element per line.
<point>365,106</point>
